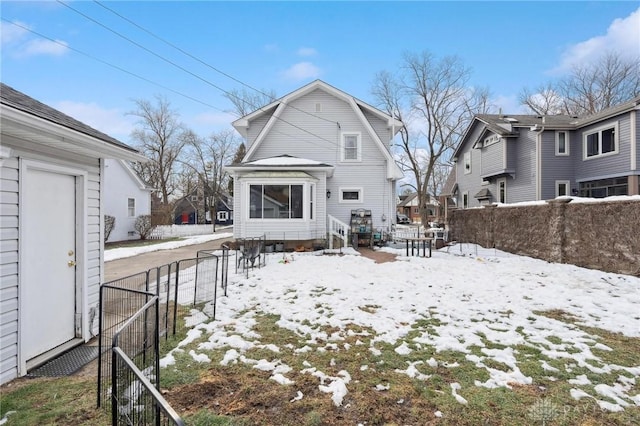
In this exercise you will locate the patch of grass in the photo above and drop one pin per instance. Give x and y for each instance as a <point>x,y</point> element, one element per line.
<point>205,417</point>
<point>48,401</point>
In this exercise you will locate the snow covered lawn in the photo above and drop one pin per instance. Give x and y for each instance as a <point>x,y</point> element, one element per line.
<point>469,329</point>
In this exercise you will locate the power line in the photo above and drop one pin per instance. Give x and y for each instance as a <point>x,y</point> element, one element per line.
<point>189,72</point>
<point>205,63</point>
<point>112,65</point>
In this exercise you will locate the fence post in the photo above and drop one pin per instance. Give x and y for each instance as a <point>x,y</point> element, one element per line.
<point>100,337</point>
<point>175,302</point>
<point>557,229</point>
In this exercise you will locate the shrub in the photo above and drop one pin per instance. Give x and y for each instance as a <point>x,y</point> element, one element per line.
<point>109,224</point>
<point>143,226</point>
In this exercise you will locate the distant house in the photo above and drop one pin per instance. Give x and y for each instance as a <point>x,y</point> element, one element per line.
<point>313,156</point>
<point>193,209</point>
<point>126,197</point>
<point>51,230</point>
<point>409,206</point>
<point>517,158</point>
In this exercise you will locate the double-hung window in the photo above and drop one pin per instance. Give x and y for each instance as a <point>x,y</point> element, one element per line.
<point>601,141</point>
<point>562,143</point>
<point>351,147</point>
<point>131,207</point>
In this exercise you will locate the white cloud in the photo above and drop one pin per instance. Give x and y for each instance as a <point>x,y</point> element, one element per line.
<point>301,71</point>
<point>307,51</point>
<point>16,38</point>
<point>112,122</point>
<point>10,33</point>
<point>44,47</point>
<point>623,36</point>
<point>509,105</point>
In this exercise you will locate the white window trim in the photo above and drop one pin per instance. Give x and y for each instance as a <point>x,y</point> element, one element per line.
<point>134,206</point>
<point>466,161</point>
<point>563,182</point>
<point>358,136</point>
<point>342,190</point>
<point>566,144</point>
<point>463,195</point>
<point>222,215</point>
<point>305,199</point>
<point>599,130</point>
<point>498,182</point>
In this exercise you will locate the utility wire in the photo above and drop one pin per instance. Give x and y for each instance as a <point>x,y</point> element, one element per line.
<point>205,63</point>
<point>336,144</point>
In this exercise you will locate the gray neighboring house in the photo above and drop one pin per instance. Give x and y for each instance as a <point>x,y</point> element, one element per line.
<point>517,158</point>
<point>312,157</point>
<point>51,230</point>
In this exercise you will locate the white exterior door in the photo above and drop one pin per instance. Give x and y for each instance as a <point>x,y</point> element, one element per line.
<point>48,244</point>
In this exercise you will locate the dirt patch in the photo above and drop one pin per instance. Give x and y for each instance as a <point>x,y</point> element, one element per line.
<point>377,255</point>
<point>253,398</point>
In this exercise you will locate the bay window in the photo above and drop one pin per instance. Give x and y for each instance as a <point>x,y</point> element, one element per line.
<point>276,201</point>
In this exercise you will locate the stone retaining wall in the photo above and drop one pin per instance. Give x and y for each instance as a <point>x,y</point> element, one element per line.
<point>602,235</point>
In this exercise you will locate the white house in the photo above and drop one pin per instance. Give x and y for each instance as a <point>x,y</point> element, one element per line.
<point>314,156</point>
<point>126,197</point>
<point>51,230</point>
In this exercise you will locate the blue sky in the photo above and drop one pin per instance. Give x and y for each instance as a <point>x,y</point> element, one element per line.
<point>281,46</point>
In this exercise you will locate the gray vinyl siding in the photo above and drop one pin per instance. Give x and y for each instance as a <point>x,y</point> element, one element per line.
<point>493,158</point>
<point>609,165</point>
<point>8,269</point>
<point>379,126</point>
<point>302,132</point>
<point>554,167</point>
<point>9,244</point>
<point>523,186</point>
<point>469,182</point>
<point>256,127</point>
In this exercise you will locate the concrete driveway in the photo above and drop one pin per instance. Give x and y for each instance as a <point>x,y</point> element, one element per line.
<point>120,268</point>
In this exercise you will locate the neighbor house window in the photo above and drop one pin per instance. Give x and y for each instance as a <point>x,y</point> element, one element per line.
<point>601,141</point>
<point>351,195</point>
<point>562,143</point>
<point>465,200</point>
<point>467,163</point>
<point>562,188</point>
<point>351,149</point>
<point>131,207</point>
<point>275,201</point>
<point>604,187</point>
<point>502,191</point>
<point>223,216</point>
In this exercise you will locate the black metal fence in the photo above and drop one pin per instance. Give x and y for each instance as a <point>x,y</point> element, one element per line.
<point>134,397</point>
<point>123,306</point>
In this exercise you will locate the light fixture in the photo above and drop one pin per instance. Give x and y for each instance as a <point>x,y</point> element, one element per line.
<point>328,194</point>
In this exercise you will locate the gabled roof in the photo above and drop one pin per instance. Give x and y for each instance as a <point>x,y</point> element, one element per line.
<point>18,107</point>
<point>275,109</point>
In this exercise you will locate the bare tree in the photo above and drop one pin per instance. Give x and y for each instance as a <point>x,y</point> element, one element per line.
<point>241,151</point>
<point>159,138</point>
<point>432,98</point>
<point>543,101</point>
<point>245,102</point>
<point>588,88</point>
<point>206,159</point>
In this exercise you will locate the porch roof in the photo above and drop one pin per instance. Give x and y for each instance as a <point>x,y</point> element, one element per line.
<point>279,174</point>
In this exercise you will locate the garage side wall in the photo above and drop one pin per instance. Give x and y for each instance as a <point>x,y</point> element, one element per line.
<point>8,269</point>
